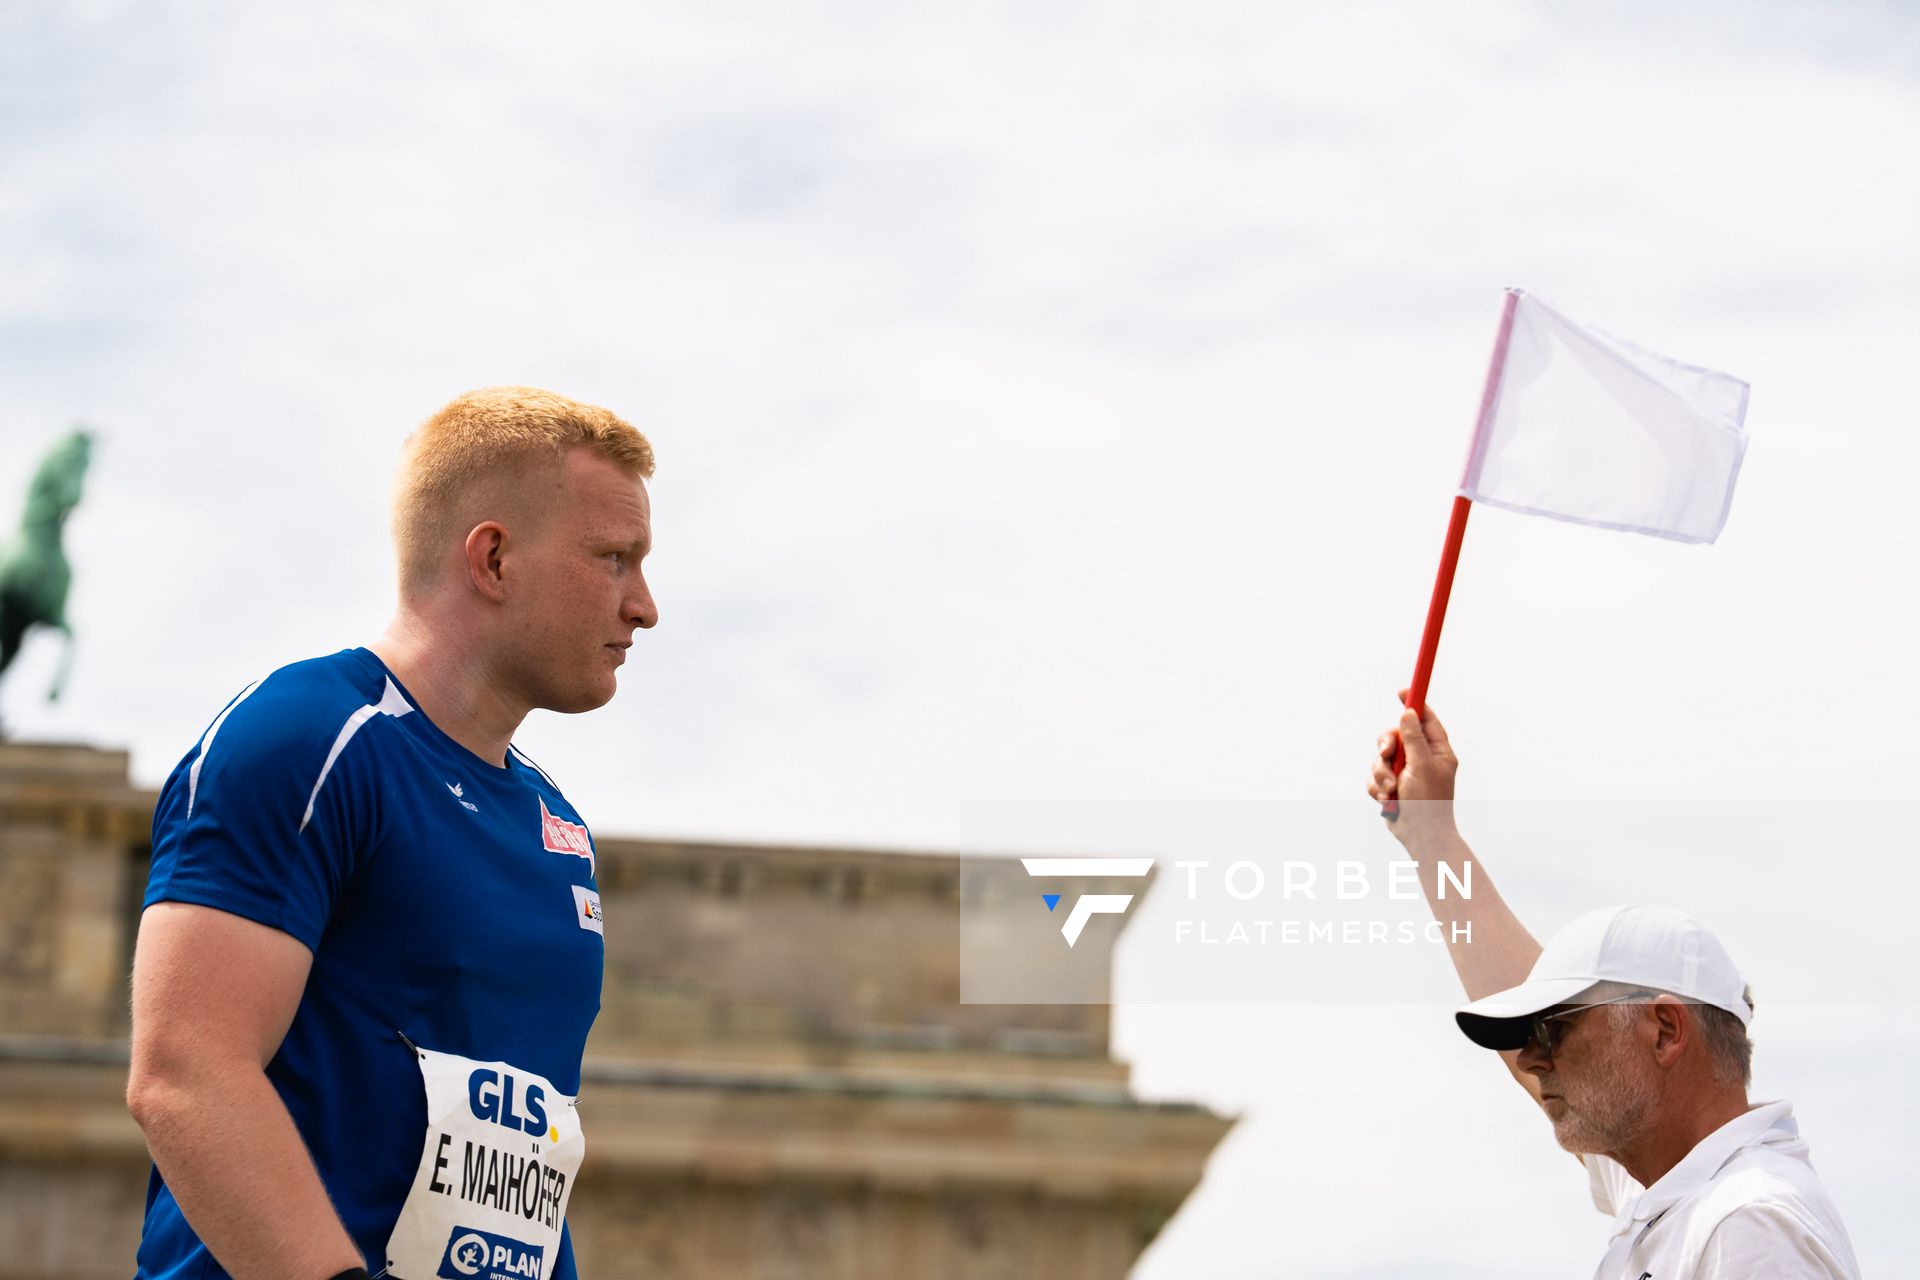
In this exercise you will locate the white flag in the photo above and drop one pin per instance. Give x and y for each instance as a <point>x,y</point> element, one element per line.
<point>1582,426</point>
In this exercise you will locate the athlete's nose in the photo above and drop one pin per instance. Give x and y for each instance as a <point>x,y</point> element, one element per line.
<point>639,608</point>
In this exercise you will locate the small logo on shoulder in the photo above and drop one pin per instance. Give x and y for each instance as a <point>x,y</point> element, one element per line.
<point>482,1255</point>
<point>586,909</point>
<point>557,835</point>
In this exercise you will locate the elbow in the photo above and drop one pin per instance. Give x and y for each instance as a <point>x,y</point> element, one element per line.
<point>169,1088</point>
<point>149,1098</point>
<point>158,1091</point>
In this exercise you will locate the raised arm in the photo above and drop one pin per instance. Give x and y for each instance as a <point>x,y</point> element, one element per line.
<point>1500,951</point>
<point>213,995</point>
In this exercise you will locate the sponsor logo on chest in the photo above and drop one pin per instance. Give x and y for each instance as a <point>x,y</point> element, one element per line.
<point>557,835</point>
<point>586,910</point>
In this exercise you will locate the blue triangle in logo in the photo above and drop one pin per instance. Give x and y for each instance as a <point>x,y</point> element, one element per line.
<point>1051,899</point>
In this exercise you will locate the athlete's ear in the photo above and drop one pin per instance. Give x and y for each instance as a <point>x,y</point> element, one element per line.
<point>485,546</point>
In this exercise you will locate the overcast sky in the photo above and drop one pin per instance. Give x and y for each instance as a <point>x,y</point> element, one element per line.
<point>1057,410</point>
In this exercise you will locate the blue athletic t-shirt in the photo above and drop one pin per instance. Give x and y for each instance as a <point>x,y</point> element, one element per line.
<point>443,897</point>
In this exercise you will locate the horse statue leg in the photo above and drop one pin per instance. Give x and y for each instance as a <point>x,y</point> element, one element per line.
<point>66,660</point>
<point>12,629</point>
<point>13,623</point>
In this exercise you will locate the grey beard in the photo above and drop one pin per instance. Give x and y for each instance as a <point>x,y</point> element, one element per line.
<point>1610,1110</point>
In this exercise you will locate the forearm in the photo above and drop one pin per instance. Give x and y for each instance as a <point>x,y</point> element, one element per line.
<point>235,1163</point>
<point>1492,950</point>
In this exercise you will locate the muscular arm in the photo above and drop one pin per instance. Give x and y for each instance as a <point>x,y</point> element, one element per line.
<point>1501,951</point>
<point>213,995</point>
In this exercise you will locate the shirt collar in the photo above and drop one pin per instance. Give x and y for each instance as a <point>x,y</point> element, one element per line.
<point>1763,1124</point>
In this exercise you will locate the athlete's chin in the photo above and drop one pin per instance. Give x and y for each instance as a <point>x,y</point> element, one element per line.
<point>590,697</point>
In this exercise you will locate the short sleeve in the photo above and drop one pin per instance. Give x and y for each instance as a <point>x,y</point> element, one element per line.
<point>1767,1242</point>
<point>1611,1184</point>
<point>269,815</point>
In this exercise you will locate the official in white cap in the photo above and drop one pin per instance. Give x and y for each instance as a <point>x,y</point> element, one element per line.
<point>1629,1029</point>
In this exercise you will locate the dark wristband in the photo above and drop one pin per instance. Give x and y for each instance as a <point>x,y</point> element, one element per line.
<point>358,1273</point>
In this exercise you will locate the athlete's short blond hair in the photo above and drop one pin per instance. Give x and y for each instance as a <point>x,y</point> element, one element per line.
<point>461,466</point>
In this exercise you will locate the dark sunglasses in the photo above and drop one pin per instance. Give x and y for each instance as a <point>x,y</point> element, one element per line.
<point>1549,1029</point>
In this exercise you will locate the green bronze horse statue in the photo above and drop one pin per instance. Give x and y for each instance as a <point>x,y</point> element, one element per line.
<point>34,574</point>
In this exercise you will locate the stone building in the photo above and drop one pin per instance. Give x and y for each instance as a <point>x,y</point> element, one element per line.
<point>782,1083</point>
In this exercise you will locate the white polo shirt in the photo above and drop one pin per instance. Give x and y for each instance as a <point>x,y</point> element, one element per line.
<point>1744,1204</point>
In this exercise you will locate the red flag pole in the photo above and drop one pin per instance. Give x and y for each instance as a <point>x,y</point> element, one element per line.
<point>1450,549</point>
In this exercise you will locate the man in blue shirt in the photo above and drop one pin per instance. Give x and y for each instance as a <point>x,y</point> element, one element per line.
<point>371,949</point>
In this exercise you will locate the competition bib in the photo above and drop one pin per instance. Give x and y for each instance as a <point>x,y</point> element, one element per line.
<point>490,1195</point>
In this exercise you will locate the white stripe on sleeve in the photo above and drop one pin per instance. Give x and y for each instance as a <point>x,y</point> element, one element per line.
<point>206,743</point>
<point>392,703</point>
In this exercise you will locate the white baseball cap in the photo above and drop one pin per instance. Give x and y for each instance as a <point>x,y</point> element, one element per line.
<point>1660,948</point>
